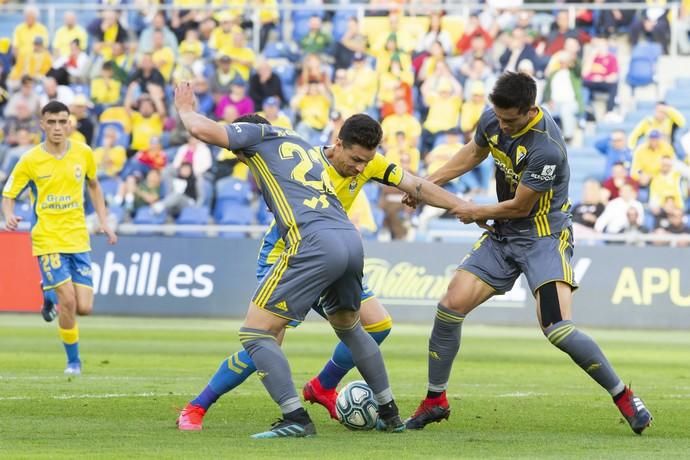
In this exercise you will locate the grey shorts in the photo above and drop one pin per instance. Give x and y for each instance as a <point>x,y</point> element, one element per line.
<point>326,265</point>
<point>498,260</point>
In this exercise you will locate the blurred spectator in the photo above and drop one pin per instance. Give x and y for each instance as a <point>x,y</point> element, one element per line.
<point>204,97</point>
<point>403,40</point>
<point>330,132</point>
<point>192,44</point>
<point>647,157</point>
<point>23,143</point>
<point>563,95</point>
<point>183,191</point>
<point>54,92</point>
<point>615,148</point>
<point>67,34</point>
<point>609,22</point>
<point>196,154</point>
<point>666,184</point>
<point>26,95</point>
<point>472,30</point>
<point>313,69</point>
<point>600,71</point>
<point>271,112</point>
<point>189,64</point>
<point>478,50</point>
<point>147,119</point>
<point>105,90</point>
<point>242,56</point>
<point>555,41</point>
<point>390,53</point>
<point>614,219</point>
<point>444,99</point>
<point>152,157</point>
<point>400,120</point>
<point>158,26</point>
<point>135,193</point>
<point>526,66</point>
<point>394,83</point>
<point>237,98</point>
<point>25,34</point>
<point>73,67</point>
<point>653,24</point>
<point>105,32</point>
<point>683,25</point>
<point>363,78</point>
<point>315,41</point>
<point>147,76</point>
<point>619,177</point>
<point>479,73</point>
<point>353,41</point>
<point>264,83</point>
<point>345,97</point>
<point>402,151</point>
<point>35,64</point>
<point>163,56</point>
<point>436,54</point>
<point>80,110</point>
<point>269,16</point>
<point>472,109</point>
<point>187,16</point>
<point>672,221</point>
<point>633,226</point>
<point>517,50</point>
<point>435,33</point>
<point>221,35</point>
<point>666,120</point>
<point>110,158</point>
<point>586,212</point>
<point>24,118</point>
<point>312,103</point>
<point>222,78</point>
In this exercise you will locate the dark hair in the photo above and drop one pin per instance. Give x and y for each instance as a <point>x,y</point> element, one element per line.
<point>361,129</point>
<point>514,90</point>
<point>252,118</point>
<point>54,107</point>
<point>108,65</point>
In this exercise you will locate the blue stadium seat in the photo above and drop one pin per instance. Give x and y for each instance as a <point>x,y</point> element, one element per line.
<point>231,189</point>
<point>264,216</point>
<point>117,211</point>
<point>110,186</point>
<point>122,137</point>
<point>300,28</point>
<point>193,215</point>
<point>145,215</point>
<point>236,214</point>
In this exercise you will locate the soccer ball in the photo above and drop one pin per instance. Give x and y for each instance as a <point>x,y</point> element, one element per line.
<point>356,407</point>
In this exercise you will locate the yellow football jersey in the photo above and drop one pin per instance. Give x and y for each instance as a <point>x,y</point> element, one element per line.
<point>57,196</point>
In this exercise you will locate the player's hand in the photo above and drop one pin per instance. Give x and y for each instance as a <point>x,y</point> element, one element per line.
<point>409,201</point>
<point>464,212</point>
<point>184,97</point>
<point>12,222</point>
<point>107,231</point>
<point>485,226</point>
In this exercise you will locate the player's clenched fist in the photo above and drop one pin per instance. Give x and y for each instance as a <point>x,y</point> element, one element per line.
<point>12,222</point>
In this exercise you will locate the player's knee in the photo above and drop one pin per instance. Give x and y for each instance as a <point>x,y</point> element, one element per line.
<point>84,310</point>
<point>549,305</point>
<point>67,301</point>
<point>343,319</point>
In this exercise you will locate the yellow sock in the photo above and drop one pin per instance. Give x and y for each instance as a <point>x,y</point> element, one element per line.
<point>69,336</point>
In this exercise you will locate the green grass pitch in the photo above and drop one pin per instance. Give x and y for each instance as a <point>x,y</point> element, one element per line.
<point>512,394</point>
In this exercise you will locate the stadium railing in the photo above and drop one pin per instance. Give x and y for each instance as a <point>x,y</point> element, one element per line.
<point>54,11</point>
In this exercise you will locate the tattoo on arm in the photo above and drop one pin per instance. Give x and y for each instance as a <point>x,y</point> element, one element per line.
<point>418,192</point>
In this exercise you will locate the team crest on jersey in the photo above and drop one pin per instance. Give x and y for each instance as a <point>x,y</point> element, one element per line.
<point>353,185</point>
<point>282,305</point>
<point>520,154</point>
<point>494,139</point>
<point>77,172</point>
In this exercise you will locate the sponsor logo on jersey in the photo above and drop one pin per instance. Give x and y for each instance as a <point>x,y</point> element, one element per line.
<point>548,173</point>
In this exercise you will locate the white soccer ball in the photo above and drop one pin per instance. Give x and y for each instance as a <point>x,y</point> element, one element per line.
<point>356,407</point>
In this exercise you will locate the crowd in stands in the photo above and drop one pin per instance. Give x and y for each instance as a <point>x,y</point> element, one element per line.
<point>425,76</point>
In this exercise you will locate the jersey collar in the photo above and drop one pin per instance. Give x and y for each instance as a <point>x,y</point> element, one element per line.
<point>537,118</point>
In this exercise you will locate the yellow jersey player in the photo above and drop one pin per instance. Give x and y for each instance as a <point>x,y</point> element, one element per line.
<point>55,172</point>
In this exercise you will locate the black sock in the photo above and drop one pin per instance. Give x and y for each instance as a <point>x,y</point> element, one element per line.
<point>388,410</point>
<point>433,394</point>
<point>299,415</point>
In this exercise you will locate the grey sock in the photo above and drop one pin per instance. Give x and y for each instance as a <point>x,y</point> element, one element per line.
<point>586,354</point>
<point>367,357</point>
<point>444,344</point>
<point>272,367</point>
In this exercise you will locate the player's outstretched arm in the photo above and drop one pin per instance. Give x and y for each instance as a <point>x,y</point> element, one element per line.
<point>199,126</point>
<point>469,156</point>
<point>98,201</point>
<point>11,220</point>
<point>520,206</point>
<point>421,190</point>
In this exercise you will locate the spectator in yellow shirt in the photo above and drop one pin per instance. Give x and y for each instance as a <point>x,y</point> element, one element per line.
<point>222,34</point>
<point>271,112</point>
<point>67,33</point>
<point>25,34</point>
<point>110,157</point>
<point>242,56</point>
<point>147,119</point>
<point>312,102</point>
<point>191,44</point>
<point>473,109</point>
<point>402,152</point>
<point>666,120</point>
<point>105,90</point>
<point>400,120</point>
<point>363,78</point>
<point>443,97</point>
<point>268,17</point>
<point>666,183</point>
<point>35,64</point>
<point>346,100</point>
<point>390,80</point>
<point>647,157</point>
<point>163,57</point>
